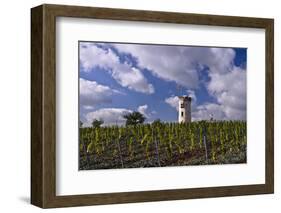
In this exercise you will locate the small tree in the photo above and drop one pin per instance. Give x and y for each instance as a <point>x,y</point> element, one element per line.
<point>80,124</point>
<point>97,123</point>
<point>134,118</point>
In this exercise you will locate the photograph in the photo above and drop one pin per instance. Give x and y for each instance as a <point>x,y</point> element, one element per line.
<point>161,105</point>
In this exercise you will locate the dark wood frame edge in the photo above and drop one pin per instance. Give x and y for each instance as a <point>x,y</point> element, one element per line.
<point>43,105</point>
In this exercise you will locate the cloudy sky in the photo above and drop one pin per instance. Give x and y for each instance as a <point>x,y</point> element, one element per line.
<point>119,78</point>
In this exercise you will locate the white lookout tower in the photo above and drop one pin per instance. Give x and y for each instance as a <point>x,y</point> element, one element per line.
<point>184,109</point>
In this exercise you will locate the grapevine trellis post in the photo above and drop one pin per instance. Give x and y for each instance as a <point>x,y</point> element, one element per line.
<point>157,152</point>
<point>120,153</point>
<point>205,143</point>
<point>156,147</point>
<point>86,154</point>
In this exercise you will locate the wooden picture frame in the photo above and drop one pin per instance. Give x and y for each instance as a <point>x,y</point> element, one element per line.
<point>43,105</point>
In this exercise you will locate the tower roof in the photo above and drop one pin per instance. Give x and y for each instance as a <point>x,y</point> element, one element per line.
<point>185,98</point>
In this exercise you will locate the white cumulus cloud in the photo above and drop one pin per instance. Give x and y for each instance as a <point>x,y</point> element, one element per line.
<point>167,62</point>
<point>110,116</point>
<point>207,111</point>
<point>143,110</point>
<point>92,94</point>
<point>230,91</point>
<point>180,64</point>
<point>173,101</point>
<point>125,74</point>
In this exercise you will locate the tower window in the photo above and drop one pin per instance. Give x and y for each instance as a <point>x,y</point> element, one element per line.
<point>182,105</point>
<point>181,114</point>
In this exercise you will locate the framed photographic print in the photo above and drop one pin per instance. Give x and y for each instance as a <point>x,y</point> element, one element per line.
<point>136,106</point>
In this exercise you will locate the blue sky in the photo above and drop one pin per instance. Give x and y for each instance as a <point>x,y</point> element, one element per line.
<point>118,78</point>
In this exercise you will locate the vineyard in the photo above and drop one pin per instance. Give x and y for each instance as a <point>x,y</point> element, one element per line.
<point>163,144</point>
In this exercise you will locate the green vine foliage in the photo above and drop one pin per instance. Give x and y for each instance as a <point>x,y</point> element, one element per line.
<point>166,141</point>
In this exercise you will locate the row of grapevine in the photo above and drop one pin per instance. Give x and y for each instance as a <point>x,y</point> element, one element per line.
<point>161,143</point>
